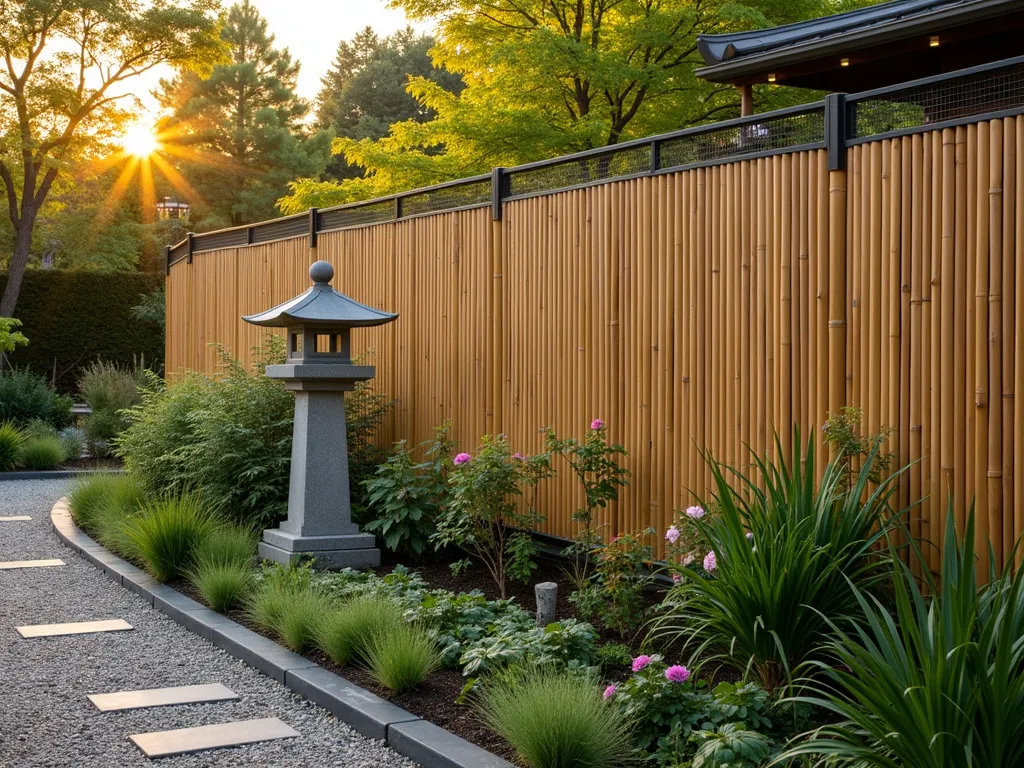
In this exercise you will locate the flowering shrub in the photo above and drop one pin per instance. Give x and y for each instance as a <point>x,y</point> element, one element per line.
<point>614,592</point>
<point>484,507</point>
<point>596,465</point>
<point>675,716</point>
<point>684,543</point>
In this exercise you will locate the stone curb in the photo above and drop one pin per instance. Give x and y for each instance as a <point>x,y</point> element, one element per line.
<point>54,474</point>
<point>367,713</point>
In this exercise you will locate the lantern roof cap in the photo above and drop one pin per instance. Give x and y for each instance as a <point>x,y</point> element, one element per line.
<point>321,305</point>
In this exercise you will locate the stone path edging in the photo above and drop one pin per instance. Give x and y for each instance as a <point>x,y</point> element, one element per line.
<point>420,740</point>
<point>53,474</point>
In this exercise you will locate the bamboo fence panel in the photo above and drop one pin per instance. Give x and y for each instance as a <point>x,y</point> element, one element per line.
<point>695,311</point>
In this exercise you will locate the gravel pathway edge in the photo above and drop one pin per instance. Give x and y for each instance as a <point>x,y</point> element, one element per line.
<point>408,734</point>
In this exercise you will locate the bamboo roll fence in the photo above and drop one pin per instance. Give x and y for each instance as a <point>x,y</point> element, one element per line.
<point>695,310</point>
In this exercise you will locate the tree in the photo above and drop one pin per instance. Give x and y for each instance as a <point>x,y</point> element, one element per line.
<point>64,63</point>
<point>365,92</point>
<point>550,77</point>
<point>237,132</point>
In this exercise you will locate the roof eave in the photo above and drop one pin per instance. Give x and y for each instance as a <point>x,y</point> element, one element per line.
<point>849,42</point>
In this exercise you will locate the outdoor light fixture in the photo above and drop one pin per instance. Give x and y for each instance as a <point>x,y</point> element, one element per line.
<point>844,62</point>
<point>933,41</point>
<point>771,78</point>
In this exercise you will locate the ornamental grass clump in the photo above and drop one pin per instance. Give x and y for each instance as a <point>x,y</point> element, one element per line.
<point>782,553</point>
<point>401,657</point>
<point>42,453</point>
<point>90,497</point>
<point>11,441</point>
<point>167,531</point>
<point>937,681</point>
<point>298,618</point>
<point>557,720</point>
<point>345,633</point>
<point>222,585</point>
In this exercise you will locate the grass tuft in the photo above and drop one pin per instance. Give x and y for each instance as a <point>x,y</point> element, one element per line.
<point>90,495</point>
<point>229,545</point>
<point>222,585</point>
<point>557,720</point>
<point>167,531</point>
<point>298,621</point>
<point>11,441</point>
<point>42,453</point>
<point>344,634</point>
<point>401,657</point>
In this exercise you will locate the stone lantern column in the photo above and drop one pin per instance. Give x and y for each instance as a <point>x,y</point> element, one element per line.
<point>319,370</point>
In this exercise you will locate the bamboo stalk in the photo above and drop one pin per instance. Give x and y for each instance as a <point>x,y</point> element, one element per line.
<point>981,382</point>
<point>995,338</point>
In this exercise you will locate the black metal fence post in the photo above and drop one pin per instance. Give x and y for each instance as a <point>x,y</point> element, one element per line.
<point>497,192</point>
<point>313,224</point>
<point>836,130</point>
<point>167,260</point>
<point>191,245</point>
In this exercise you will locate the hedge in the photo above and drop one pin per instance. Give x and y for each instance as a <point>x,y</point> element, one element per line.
<point>72,318</point>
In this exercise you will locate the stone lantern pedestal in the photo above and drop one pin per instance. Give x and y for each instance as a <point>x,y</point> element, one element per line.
<point>319,371</point>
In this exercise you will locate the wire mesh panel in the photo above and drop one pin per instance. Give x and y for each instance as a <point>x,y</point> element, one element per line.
<point>280,229</point>
<point>766,135</point>
<point>448,197</point>
<point>956,98</point>
<point>627,161</point>
<point>357,215</point>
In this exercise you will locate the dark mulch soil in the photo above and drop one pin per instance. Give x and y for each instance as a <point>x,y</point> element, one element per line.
<point>435,700</point>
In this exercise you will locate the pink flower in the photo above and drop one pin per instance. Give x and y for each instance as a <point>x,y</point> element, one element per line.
<point>518,456</point>
<point>596,424</point>
<point>710,562</point>
<point>677,674</point>
<point>461,458</point>
<point>672,534</point>
<point>609,691</point>
<point>695,513</point>
<point>677,578</point>
<point>688,559</point>
<point>640,662</point>
<point>750,537</point>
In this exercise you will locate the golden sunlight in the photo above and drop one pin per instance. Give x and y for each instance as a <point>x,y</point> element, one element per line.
<point>140,140</point>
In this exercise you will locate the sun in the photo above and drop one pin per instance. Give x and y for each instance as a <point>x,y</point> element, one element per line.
<point>140,139</point>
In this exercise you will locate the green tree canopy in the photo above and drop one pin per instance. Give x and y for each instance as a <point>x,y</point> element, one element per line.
<point>64,67</point>
<point>550,77</point>
<point>365,90</point>
<point>237,133</point>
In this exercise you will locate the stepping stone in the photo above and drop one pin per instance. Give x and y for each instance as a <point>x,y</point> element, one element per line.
<point>162,697</point>
<point>13,518</point>
<point>12,564</point>
<point>185,740</point>
<point>73,628</point>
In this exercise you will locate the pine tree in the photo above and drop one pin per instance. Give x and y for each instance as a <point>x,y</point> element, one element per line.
<point>238,133</point>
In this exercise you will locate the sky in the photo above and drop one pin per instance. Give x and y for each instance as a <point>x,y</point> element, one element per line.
<point>311,31</point>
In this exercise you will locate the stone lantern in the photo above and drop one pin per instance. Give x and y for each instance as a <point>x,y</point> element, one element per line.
<point>319,371</point>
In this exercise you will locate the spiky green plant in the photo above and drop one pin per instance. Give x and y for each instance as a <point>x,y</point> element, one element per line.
<point>785,550</point>
<point>222,585</point>
<point>91,494</point>
<point>229,545</point>
<point>557,720</point>
<point>11,442</point>
<point>166,532</point>
<point>299,617</point>
<point>936,682</point>
<point>401,657</point>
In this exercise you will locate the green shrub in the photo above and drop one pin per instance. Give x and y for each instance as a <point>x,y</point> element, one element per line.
<point>11,442</point>
<point>38,428</point>
<point>229,545</point>
<point>345,633</point>
<point>24,396</point>
<point>73,440</point>
<point>614,656</point>
<point>267,604</point>
<point>763,604</point>
<point>404,498</point>
<point>936,681</point>
<point>557,720</point>
<point>401,657</point>
<point>108,389</point>
<point>222,584</point>
<point>110,527</point>
<point>42,453</point>
<point>167,531</point>
<point>228,436</point>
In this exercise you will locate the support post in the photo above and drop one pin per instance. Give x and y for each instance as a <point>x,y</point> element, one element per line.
<point>191,244</point>
<point>836,292</point>
<point>497,192</point>
<point>746,99</point>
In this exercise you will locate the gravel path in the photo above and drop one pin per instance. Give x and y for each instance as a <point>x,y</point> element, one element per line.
<point>45,718</point>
